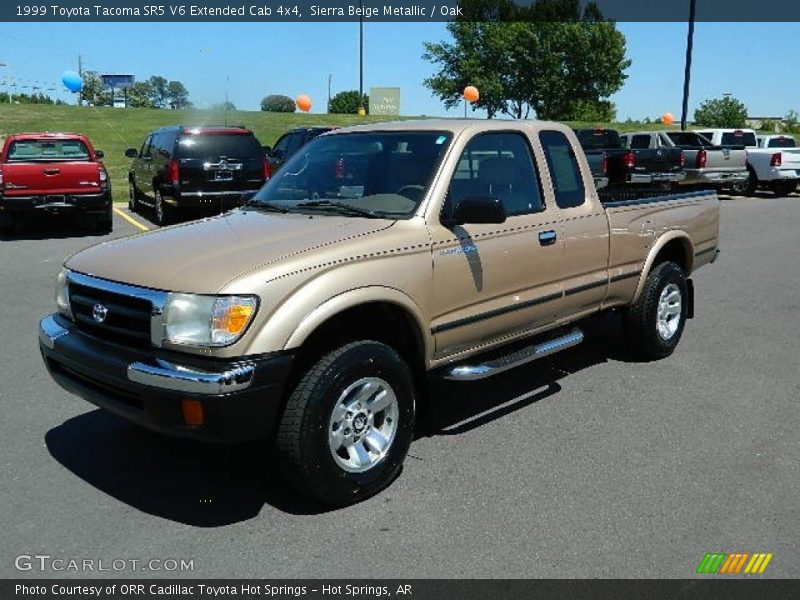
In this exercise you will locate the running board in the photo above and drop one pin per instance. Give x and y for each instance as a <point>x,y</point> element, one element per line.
<point>515,359</point>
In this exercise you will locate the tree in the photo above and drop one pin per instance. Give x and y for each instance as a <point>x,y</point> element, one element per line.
<point>159,91</point>
<point>601,111</point>
<point>721,112</point>
<point>177,96</point>
<point>791,122</point>
<point>139,95</point>
<point>347,103</point>
<point>551,56</point>
<point>93,90</point>
<point>278,103</point>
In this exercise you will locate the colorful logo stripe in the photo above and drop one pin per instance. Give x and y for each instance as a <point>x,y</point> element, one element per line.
<point>723,563</point>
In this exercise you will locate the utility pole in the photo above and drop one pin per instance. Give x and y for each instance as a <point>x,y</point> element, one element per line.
<point>330,75</point>
<point>688,72</point>
<point>80,73</point>
<point>361,110</point>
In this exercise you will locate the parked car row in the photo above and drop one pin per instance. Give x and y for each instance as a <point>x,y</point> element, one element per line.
<point>724,159</point>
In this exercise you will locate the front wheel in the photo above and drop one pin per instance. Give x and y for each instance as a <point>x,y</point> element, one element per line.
<point>133,197</point>
<point>655,322</point>
<point>348,424</point>
<point>163,211</point>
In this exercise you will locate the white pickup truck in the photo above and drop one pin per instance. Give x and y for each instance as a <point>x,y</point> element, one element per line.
<point>773,161</point>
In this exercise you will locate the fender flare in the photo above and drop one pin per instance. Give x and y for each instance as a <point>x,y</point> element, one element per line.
<point>656,248</point>
<point>352,299</point>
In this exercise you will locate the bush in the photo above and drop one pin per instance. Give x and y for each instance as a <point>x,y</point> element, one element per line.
<point>278,103</point>
<point>346,103</point>
<point>721,112</point>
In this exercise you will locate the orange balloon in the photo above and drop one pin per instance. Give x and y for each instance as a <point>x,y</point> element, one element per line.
<point>667,118</point>
<point>471,93</point>
<point>303,102</point>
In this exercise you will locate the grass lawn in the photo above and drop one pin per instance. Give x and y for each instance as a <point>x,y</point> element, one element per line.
<point>115,129</point>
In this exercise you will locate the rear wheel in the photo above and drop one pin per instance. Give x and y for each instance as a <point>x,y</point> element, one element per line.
<point>7,223</point>
<point>163,210</point>
<point>348,424</point>
<point>783,188</point>
<point>749,186</point>
<point>105,223</point>
<point>654,324</point>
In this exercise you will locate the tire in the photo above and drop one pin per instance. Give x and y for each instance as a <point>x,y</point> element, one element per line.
<point>749,187</point>
<point>782,188</point>
<point>162,209</point>
<point>326,414</point>
<point>7,223</point>
<point>133,197</point>
<point>652,325</point>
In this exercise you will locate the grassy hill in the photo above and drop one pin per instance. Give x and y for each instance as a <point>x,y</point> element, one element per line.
<point>114,129</point>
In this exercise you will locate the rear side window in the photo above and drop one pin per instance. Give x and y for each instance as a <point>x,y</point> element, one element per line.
<point>498,165</point>
<point>640,142</point>
<point>564,171</point>
<point>598,139</point>
<point>688,138</point>
<point>46,150</point>
<point>216,145</point>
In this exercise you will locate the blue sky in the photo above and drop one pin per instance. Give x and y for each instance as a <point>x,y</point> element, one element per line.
<point>251,60</point>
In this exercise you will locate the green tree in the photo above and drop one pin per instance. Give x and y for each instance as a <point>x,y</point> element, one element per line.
<point>791,122</point>
<point>159,91</point>
<point>550,56</point>
<point>721,112</point>
<point>346,103</point>
<point>278,103</point>
<point>177,95</point>
<point>93,90</point>
<point>139,95</point>
<point>601,111</point>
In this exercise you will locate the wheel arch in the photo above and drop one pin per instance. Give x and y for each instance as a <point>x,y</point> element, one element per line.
<point>673,246</point>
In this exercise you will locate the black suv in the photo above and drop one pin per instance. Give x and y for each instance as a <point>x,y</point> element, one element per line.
<point>202,168</point>
<point>290,142</point>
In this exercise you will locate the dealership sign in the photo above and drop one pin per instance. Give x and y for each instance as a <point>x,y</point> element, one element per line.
<point>384,101</point>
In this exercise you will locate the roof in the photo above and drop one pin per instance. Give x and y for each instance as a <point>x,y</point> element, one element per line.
<point>455,126</point>
<point>56,135</point>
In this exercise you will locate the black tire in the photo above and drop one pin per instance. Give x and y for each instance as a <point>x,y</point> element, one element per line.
<point>749,187</point>
<point>133,197</point>
<point>7,223</point>
<point>303,433</point>
<point>162,209</point>
<point>783,188</point>
<point>642,319</point>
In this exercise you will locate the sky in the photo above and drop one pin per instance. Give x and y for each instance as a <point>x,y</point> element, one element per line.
<point>250,60</point>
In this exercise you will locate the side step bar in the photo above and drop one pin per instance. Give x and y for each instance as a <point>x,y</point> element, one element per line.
<point>515,359</point>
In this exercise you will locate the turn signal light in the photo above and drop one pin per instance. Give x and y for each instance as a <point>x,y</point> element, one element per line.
<point>174,173</point>
<point>629,158</point>
<point>193,414</point>
<point>776,160</point>
<point>700,161</point>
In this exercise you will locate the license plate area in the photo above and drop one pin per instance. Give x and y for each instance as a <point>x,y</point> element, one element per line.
<point>223,175</point>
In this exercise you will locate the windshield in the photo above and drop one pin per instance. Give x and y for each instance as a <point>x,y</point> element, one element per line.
<point>379,174</point>
<point>47,150</point>
<point>214,145</point>
<point>598,139</point>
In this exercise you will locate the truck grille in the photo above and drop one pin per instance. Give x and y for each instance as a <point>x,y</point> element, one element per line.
<point>114,312</point>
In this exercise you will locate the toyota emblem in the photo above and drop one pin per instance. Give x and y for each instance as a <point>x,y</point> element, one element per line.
<point>99,313</point>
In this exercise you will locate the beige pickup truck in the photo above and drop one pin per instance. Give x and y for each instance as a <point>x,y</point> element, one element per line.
<point>378,257</point>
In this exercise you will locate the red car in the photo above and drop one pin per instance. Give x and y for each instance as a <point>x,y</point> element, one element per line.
<point>53,173</point>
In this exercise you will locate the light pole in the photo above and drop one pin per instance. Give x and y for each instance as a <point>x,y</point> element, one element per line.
<point>361,110</point>
<point>688,72</point>
<point>8,79</point>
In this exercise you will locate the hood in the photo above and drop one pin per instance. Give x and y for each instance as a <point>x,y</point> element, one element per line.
<point>202,256</point>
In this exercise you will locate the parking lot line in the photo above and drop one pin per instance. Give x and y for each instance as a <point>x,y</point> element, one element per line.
<point>130,219</point>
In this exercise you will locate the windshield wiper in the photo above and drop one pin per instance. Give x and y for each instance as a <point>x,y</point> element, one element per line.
<point>340,207</point>
<point>266,206</point>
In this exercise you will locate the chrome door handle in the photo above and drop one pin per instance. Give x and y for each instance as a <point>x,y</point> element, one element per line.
<point>547,238</point>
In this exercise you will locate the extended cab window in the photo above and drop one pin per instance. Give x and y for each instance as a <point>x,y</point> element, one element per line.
<point>47,150</point>
<point>640,142</point>
<point>498,165</point>
<point>564,171</point>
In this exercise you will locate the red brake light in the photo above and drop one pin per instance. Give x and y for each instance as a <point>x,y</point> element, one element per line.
<point>339,168</point>
<point>267,170</point>
<point>604,164</point>
<point>629,159</point>
<point>683,158</point>
<point>700,161</point>
<point>174,172</point>
<point>776,159</point>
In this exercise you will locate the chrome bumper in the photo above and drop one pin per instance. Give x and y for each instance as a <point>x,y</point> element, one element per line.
<point>167,375</point>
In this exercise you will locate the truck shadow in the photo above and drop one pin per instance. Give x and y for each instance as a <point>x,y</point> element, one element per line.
<point>42,227</point>
<point>206,485</point>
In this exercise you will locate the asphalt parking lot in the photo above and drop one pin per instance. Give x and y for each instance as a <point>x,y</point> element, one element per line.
<point>583,465</point>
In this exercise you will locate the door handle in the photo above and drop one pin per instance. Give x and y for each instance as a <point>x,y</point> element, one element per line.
<point>547,238</point>
<point>52,171</point>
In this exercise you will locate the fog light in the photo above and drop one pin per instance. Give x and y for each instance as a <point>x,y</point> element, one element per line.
<point>192,412</point>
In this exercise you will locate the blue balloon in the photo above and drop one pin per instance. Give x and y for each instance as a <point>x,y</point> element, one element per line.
<point>72,81</point>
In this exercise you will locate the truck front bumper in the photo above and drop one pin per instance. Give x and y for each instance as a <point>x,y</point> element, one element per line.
<point>240,399</point>
<point>55,203</point>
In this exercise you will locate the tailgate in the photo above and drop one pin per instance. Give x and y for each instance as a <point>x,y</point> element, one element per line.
<point>661,160</point>
<point>790,158</point>
<point>41,178</point>
<point>726,158</point>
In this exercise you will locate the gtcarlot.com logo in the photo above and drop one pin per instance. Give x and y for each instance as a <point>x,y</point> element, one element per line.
<point>46,562</point>
<point>722,563</point>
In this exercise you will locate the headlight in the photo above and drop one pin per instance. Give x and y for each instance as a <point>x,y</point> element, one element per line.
<point>62,294</point>
<point>207,320</point>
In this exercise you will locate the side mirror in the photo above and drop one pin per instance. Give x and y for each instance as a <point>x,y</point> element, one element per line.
<point>478,210</point>
<point>132,153</point>
<point>99,154</point>
<point>164,154</point>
